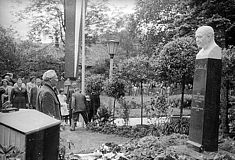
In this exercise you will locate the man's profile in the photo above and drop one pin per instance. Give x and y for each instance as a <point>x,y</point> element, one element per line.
<point>205,40</point>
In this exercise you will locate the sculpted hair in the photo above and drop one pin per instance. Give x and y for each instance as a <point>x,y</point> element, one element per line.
<point>208,30</point>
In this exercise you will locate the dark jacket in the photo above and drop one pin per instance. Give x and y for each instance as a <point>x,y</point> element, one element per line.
<point>2,91</point>
<point>78,102</point>
<point>33,96</point>
<point>48,102</point>
<point>95,101</point>
<point>19,97</point>
<point>69,97</point>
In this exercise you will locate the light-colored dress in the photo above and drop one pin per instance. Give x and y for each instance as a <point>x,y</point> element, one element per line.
<point>64,105</point>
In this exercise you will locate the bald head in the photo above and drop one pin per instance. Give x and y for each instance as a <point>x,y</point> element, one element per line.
<point>204,36</point>
<point>206,30</point>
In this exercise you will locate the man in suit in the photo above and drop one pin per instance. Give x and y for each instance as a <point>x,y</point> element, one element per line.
<point>47,101</point>
<point>78,106</point>
<point>34,93</point>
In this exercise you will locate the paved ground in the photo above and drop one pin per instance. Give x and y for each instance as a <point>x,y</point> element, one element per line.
<point>87,141</point>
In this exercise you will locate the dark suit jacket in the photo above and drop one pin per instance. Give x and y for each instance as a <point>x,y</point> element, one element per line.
<point>19,98</point>
<point>33,96</point>
<point>48,102</point>
<point>78,102</point>
<point>2,91</point>
<point>69,97</point>
<point>95,101</point>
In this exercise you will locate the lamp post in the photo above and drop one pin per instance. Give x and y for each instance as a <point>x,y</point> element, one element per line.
<point>112,49</point>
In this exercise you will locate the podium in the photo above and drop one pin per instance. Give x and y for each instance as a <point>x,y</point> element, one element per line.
<point>34,133</point>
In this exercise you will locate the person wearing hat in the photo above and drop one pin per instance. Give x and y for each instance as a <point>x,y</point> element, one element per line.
<point>47,100</point>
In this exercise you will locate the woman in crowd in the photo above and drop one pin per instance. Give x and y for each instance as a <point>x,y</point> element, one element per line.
<point>7,88</point>
<point>19,97</point>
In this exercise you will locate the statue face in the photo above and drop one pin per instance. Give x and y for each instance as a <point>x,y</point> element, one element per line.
<point>202,39</point>
<point>204,36</point>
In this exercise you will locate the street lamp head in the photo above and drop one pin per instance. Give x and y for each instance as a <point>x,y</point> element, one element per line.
<point>112,47</point>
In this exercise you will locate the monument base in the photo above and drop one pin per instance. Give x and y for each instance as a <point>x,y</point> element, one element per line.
<point>195,146</point>
<point>204,120</point>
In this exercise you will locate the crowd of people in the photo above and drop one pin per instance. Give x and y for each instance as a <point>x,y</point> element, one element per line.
<point>43,95</point>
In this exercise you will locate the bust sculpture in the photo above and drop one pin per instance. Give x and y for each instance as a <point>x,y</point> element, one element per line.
<point>205,40</point>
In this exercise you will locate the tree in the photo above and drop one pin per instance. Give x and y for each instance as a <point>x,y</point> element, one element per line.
<point>9,60</point>
<point>220,15</point>
<point>95,84</point>
<point>115,88</point>
<point>176,63</point>
<point>47,17</point>
<point>44,17</point>
<point>136,70</point>
<point>35,59</point>
<point>153,23</point>
<point>228,72</point>
<point>101,67</point>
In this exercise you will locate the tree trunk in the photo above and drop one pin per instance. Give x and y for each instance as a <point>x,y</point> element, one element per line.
<point>142,103</point>
<point>114,109</point>
<point>182,96</point>
<point>224,107</point>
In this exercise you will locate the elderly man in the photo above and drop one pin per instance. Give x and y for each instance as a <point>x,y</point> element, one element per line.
<point>47,101</point>
<point>205,40</point>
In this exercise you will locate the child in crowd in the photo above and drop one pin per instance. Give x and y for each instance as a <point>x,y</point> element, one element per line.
<point>64,105</point>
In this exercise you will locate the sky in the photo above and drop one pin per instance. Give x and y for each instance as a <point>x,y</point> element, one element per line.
<point>7,7</point>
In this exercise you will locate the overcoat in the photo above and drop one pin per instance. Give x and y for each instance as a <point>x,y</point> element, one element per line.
<point>33,96</point>
<point>78,102</point>
<point>48,102</point>
<point>19,97</point>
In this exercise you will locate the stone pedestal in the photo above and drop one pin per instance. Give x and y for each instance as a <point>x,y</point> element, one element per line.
<point>204,122</point>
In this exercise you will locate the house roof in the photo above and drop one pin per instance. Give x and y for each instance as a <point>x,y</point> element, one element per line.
<point>27,121</point>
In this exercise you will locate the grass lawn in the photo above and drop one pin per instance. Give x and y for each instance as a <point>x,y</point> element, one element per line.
<point>135,113</point>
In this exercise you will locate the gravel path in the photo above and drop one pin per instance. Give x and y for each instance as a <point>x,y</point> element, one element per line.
<point>86,141</point>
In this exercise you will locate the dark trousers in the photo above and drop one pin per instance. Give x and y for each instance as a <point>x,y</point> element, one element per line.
<point>90,115</point>
<point>75,117</point>
<point>70,117</point>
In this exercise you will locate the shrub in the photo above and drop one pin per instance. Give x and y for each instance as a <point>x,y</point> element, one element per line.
<point>175,100</point>
<point>176,125</point>
<point>125,109</point>
<point>139,131</point>
<point>103,115</point>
